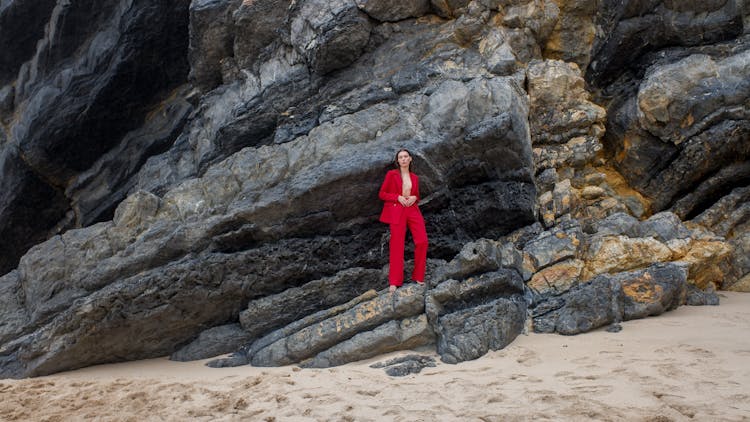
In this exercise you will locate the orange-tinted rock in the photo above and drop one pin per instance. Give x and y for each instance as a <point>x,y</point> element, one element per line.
<point>557,278</point>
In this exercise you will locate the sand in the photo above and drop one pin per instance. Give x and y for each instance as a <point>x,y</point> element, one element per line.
<point>689,364</point>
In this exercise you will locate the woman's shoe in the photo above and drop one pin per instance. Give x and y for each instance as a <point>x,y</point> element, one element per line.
<point>392,288</point>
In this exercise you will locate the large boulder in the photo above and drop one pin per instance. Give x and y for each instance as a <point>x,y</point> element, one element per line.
<point>609,299</point>
<point>476,315</point>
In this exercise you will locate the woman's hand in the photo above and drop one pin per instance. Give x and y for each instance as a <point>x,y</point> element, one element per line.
<point>403,201</point>
<point>410,201</point>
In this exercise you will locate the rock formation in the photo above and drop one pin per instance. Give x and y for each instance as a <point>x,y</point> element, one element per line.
<point>201,177</point>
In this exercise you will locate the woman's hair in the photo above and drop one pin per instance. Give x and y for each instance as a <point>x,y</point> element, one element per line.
<point>395,161</point>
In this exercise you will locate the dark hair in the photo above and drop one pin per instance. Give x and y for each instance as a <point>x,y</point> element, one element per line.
<point>395,161</point>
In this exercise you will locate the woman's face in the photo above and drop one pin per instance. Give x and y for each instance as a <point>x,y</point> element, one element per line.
<point>404,159</point>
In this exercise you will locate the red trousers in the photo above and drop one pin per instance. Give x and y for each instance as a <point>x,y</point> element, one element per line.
<point>411,217</point>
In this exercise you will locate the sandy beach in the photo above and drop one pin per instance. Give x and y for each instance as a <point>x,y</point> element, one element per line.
<point>689,364</point>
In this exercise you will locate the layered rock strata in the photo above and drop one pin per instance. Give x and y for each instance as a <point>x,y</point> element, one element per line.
<point>173,175</point>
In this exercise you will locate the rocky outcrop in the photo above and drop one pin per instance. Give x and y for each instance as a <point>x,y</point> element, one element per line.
<point>631,30</point>
<point>609,299</point>
<point>678,130</point>
<point>302,342</point>
<point>465,318</point>
<point>284,203</point>
<point>213,342</point>
<point>728,218</point>
<point>477,315</point>
<point>696,135</point>
<point>193,178</point>
<point>80,86</point>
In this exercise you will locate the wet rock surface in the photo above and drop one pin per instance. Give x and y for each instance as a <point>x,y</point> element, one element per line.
<point>202,176</point>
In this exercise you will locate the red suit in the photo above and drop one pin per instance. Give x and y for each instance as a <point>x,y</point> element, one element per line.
<point>399,217</point>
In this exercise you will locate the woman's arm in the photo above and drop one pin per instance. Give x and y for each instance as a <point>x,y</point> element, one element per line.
<point>387,194</point>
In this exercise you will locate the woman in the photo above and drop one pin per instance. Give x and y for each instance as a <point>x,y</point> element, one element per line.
<point>400,192</point>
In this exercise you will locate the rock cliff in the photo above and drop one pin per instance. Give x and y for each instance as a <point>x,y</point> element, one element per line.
<point>197,178</point>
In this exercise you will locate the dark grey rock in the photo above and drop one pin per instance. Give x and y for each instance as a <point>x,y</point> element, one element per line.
<point>477,315</point>
<point>331,34</point>
<point>478,257</point>
<point>307,341</point>
<point>646,155</point>
<point>23,22</point>
<point>256,25</point>
<point>616,224</point>
<point>693,204</point>
<point>95,193</point>
<point>614,328</point>
<point>89,80</point>
<point>236,359</point>
<point>271,312</point>
<point>653,291</point>
<point>682,171</point>
<point>213,342</point>
<point>23,222</point>
<point>7,94</point>
<point>15,316</point>
<point>90,328</point>
<point>406,334</point>
<point>609,299</point>
<point>503,60</point>
<point>318,317</point>
<point>663,226</point>
<point>698,297</point>
<point>630,29</point>
<point>126,58</point>
<point>546,180</point>
<point>410,79</point>
<point>728,213</point>
<point>582,308</point>
<point>554,246</point>
<point>211,40</point>
<point>394,10</point>
<point>405,365</point>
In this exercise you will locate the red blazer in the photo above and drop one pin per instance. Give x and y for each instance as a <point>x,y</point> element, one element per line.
<point>390,191</point>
